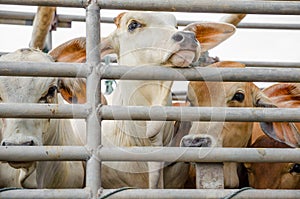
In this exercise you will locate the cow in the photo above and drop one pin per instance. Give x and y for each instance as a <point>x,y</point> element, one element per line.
<point>225,134</point>
<point>37,132</point>
<point>143,39</point>
<point>276,175</point>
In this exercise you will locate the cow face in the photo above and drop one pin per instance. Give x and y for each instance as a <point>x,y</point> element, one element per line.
<point>223,134</point>
<point>27,132</point>
<point>147,38</point>
<point>225,94</point>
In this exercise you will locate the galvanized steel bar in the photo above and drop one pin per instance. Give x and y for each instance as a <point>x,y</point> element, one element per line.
<point>93,88</point>
<point>284,26</point>
<point>233,6</point>
<point>57,3</point>
<point>202,74</point>
<point>44,69</point>
<point>25,18</point>
<point>202,193</point>
<point>271,64</point>
<point>34,110</point>
<point>167,154</point>
<point>218,114</point>
<point>43,153</point>
<point>45,193</point>
<point>203,154</point>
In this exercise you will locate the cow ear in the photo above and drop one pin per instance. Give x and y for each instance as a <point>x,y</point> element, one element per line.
<point>285,95</point>
<point>260,99</point>
<point>284,132</point>
<point>210,34</point>
<point>74,90</point>
<point>71,51</point>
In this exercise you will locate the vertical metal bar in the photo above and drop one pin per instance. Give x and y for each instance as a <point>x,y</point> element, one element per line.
<point>93,167</point>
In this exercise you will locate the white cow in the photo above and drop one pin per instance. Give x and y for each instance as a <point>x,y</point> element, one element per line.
<point>37,132</point>
<point>144,39</point>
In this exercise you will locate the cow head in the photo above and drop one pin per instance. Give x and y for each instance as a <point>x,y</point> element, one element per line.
<point>226,94</point>
<point>43,90</point>
<point>151,38</point>
<point>223,134</point>
<point>272,175</point>
<point>145,38</point>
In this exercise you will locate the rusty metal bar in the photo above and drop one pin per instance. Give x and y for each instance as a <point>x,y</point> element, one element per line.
<point>202,74</point>
<point>44,70</point>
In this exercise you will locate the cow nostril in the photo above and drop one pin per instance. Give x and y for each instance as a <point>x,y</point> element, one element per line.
<point>3,144</point>
<point>30,143</point>
<point>177,37</point>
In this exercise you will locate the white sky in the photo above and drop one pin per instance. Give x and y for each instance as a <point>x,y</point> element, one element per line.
<point>245,44</point>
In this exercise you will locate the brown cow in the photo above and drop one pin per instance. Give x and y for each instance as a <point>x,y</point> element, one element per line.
<point>228,134</point>
<point>277,175</point>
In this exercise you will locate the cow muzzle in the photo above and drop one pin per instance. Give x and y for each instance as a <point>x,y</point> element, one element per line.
<point>196,141</point>
<point>15,164</point>
<point>187,49</point>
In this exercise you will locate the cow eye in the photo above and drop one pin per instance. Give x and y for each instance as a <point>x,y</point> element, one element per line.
<point>238,96</point>
<point>134,25</point>
<point>295,168</point>
<point>50,94</point>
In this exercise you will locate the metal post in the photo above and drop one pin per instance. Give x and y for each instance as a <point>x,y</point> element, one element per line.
<point>93,167</point>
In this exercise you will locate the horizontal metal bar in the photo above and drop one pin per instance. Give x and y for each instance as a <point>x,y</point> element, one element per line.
<point>233,6</point>
<point>202,74</point>
<point>34,110</point>
<point>271,64</point>
<point>60,3</point>
<point>168,154</point>
<point>204,154</point>
<point>66,20</point>
<point>284,26</point>
<point>28,22</point>
<point>42,69</point>
<point>44,153</point>
<point>45,193</point>
<point>219,114</point>
<point>202,193</point>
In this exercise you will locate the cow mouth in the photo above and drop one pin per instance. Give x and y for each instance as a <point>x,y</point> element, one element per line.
<point>182,58</point>
<point>19,165</point>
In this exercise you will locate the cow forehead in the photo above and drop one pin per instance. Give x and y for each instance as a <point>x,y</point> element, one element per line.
<point>24,89</point>
<point>27,54</point>
<point>155,19</point>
